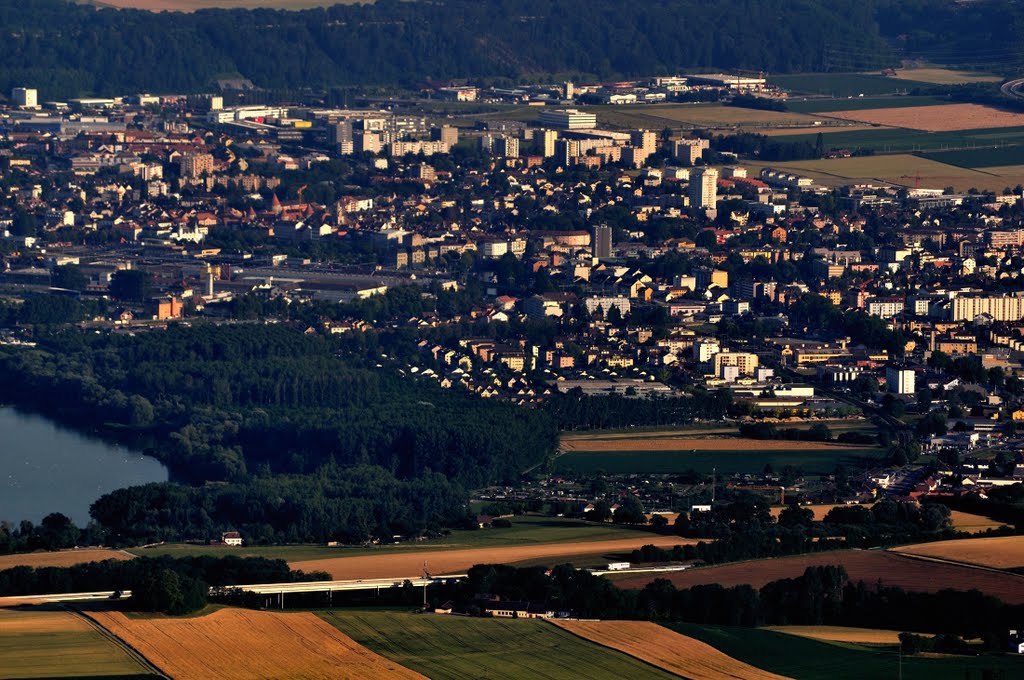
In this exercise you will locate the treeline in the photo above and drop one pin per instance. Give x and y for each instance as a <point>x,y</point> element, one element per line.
<point>305,438</point>
<point>121,575</point>
<point>50,309</point>
<point>823,595</point>
<point>69,50</point>
<point>55,532</point>
<point>575,410</point>
<point>766,148</point>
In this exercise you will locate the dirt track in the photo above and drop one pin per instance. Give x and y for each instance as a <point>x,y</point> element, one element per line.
<point>440,562</point>
<point>870,566</point>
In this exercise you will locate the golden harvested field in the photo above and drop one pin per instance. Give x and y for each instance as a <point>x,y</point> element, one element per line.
<point>944,118</point>
<point>193,5</point>
<point>870,566</point>
<point>973,524</point>
<point>61,558</point>
<point>1000,552</point>
<point>53,644</point>
<point>440,562</point>
<point>865,636</point>
<point>900,169</point>
<point>944,76</point>
<point>239,644</point>
<point>819,510</point>
<point>683,443</point>
<point>666,649</point>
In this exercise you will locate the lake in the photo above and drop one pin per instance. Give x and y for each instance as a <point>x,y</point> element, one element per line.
<point>46,468</point>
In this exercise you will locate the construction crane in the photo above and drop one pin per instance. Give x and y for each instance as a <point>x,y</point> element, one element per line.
<point>917,179</point>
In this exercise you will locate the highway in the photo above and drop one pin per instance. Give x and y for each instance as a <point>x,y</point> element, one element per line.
<point>279,589</point>
<point>1013,88</point>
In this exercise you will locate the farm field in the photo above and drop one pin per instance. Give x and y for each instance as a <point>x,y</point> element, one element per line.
<point>843,84</point>
<point>900,169</point>
<point>962,521</point>
<point>870,566</point>
<point>823,129</point>
<point>661,647</point>
<point>58,644</point>
<point>810,461</point>
<point>805,659</point>
<point>459,648</point>
<point>686,443</point>
<point>61,558</point>
<point>241,644</point>
<point>863,636</point>
<point>817,105</point>
<point>659,116</point>
<point>441,562</point>
<point>193,5</point>
<point>989,159</point>
<point>946,118</point>
<point>945,76</point>
<point>526,530</point>
<point>892,140</point>
<point>999,552</point>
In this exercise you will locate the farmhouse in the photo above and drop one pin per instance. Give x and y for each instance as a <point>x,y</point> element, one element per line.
<point>232,538</point>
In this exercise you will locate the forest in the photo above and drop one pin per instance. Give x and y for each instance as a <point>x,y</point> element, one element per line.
<point>269,431</point>
<point>67,50</point>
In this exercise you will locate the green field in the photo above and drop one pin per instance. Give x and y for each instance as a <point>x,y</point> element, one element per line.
<point>980,158</point>
<point>844,84</point>
<point>901,140</point>
<point>725,462</point>
<point>525,530</point>
<point>454,647</point>
<point>52,644</point>
<point>804,659</point>
<point>860,103</point>
<point>194,5</point>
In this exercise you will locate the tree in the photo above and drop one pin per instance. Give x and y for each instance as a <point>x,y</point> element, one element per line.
<point>69,276</point>
<point>131,285</point>
<point>706,239</point>
<point>24,223</point>
<point>165,590</point>
<point>630,511</point>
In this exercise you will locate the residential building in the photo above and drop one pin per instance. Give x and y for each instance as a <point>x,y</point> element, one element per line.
<point>25,97</point>
<point>602,243</point>
<point>899,380</point>
<point>747,362</point>
<point>195,165</point>
<point>689,150</point>
<point>704,189</point>
<point>999,307</point>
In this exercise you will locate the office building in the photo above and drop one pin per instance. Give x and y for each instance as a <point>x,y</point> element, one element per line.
<point>704,189</point>
<point>745,361</point>
<point>602,245</point>
<point>568,119</point>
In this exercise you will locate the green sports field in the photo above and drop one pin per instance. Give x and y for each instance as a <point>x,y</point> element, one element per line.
<point>469,648</point>
<point>725,462</point>
<point>980,158</point>
<point>804,659</point>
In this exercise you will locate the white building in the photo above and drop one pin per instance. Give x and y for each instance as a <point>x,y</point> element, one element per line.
<point>704,188</point>
<point>885,307</point>
<point>605,304</point>
<point>568,119</point>
<point>25,97</point>
<point>1000,308</point>
<point>899,380</point>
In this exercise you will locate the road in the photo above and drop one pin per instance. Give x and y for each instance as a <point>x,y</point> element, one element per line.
<point>260,588</point>
<point>1013,88</point>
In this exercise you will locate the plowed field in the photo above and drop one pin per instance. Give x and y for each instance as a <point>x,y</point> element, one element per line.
<point>1001,552</point>
<point>870,566</point>
<point>440,562</point>
<point>61,558</point>
<point>236,644</point>
<point>944,118</point>
<point>666,649</point>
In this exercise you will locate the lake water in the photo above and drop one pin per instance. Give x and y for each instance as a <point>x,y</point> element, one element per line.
<point>47,468</point>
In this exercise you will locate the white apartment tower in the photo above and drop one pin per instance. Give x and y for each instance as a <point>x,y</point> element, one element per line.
<point>704,188</point>
<point>25,97</point>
